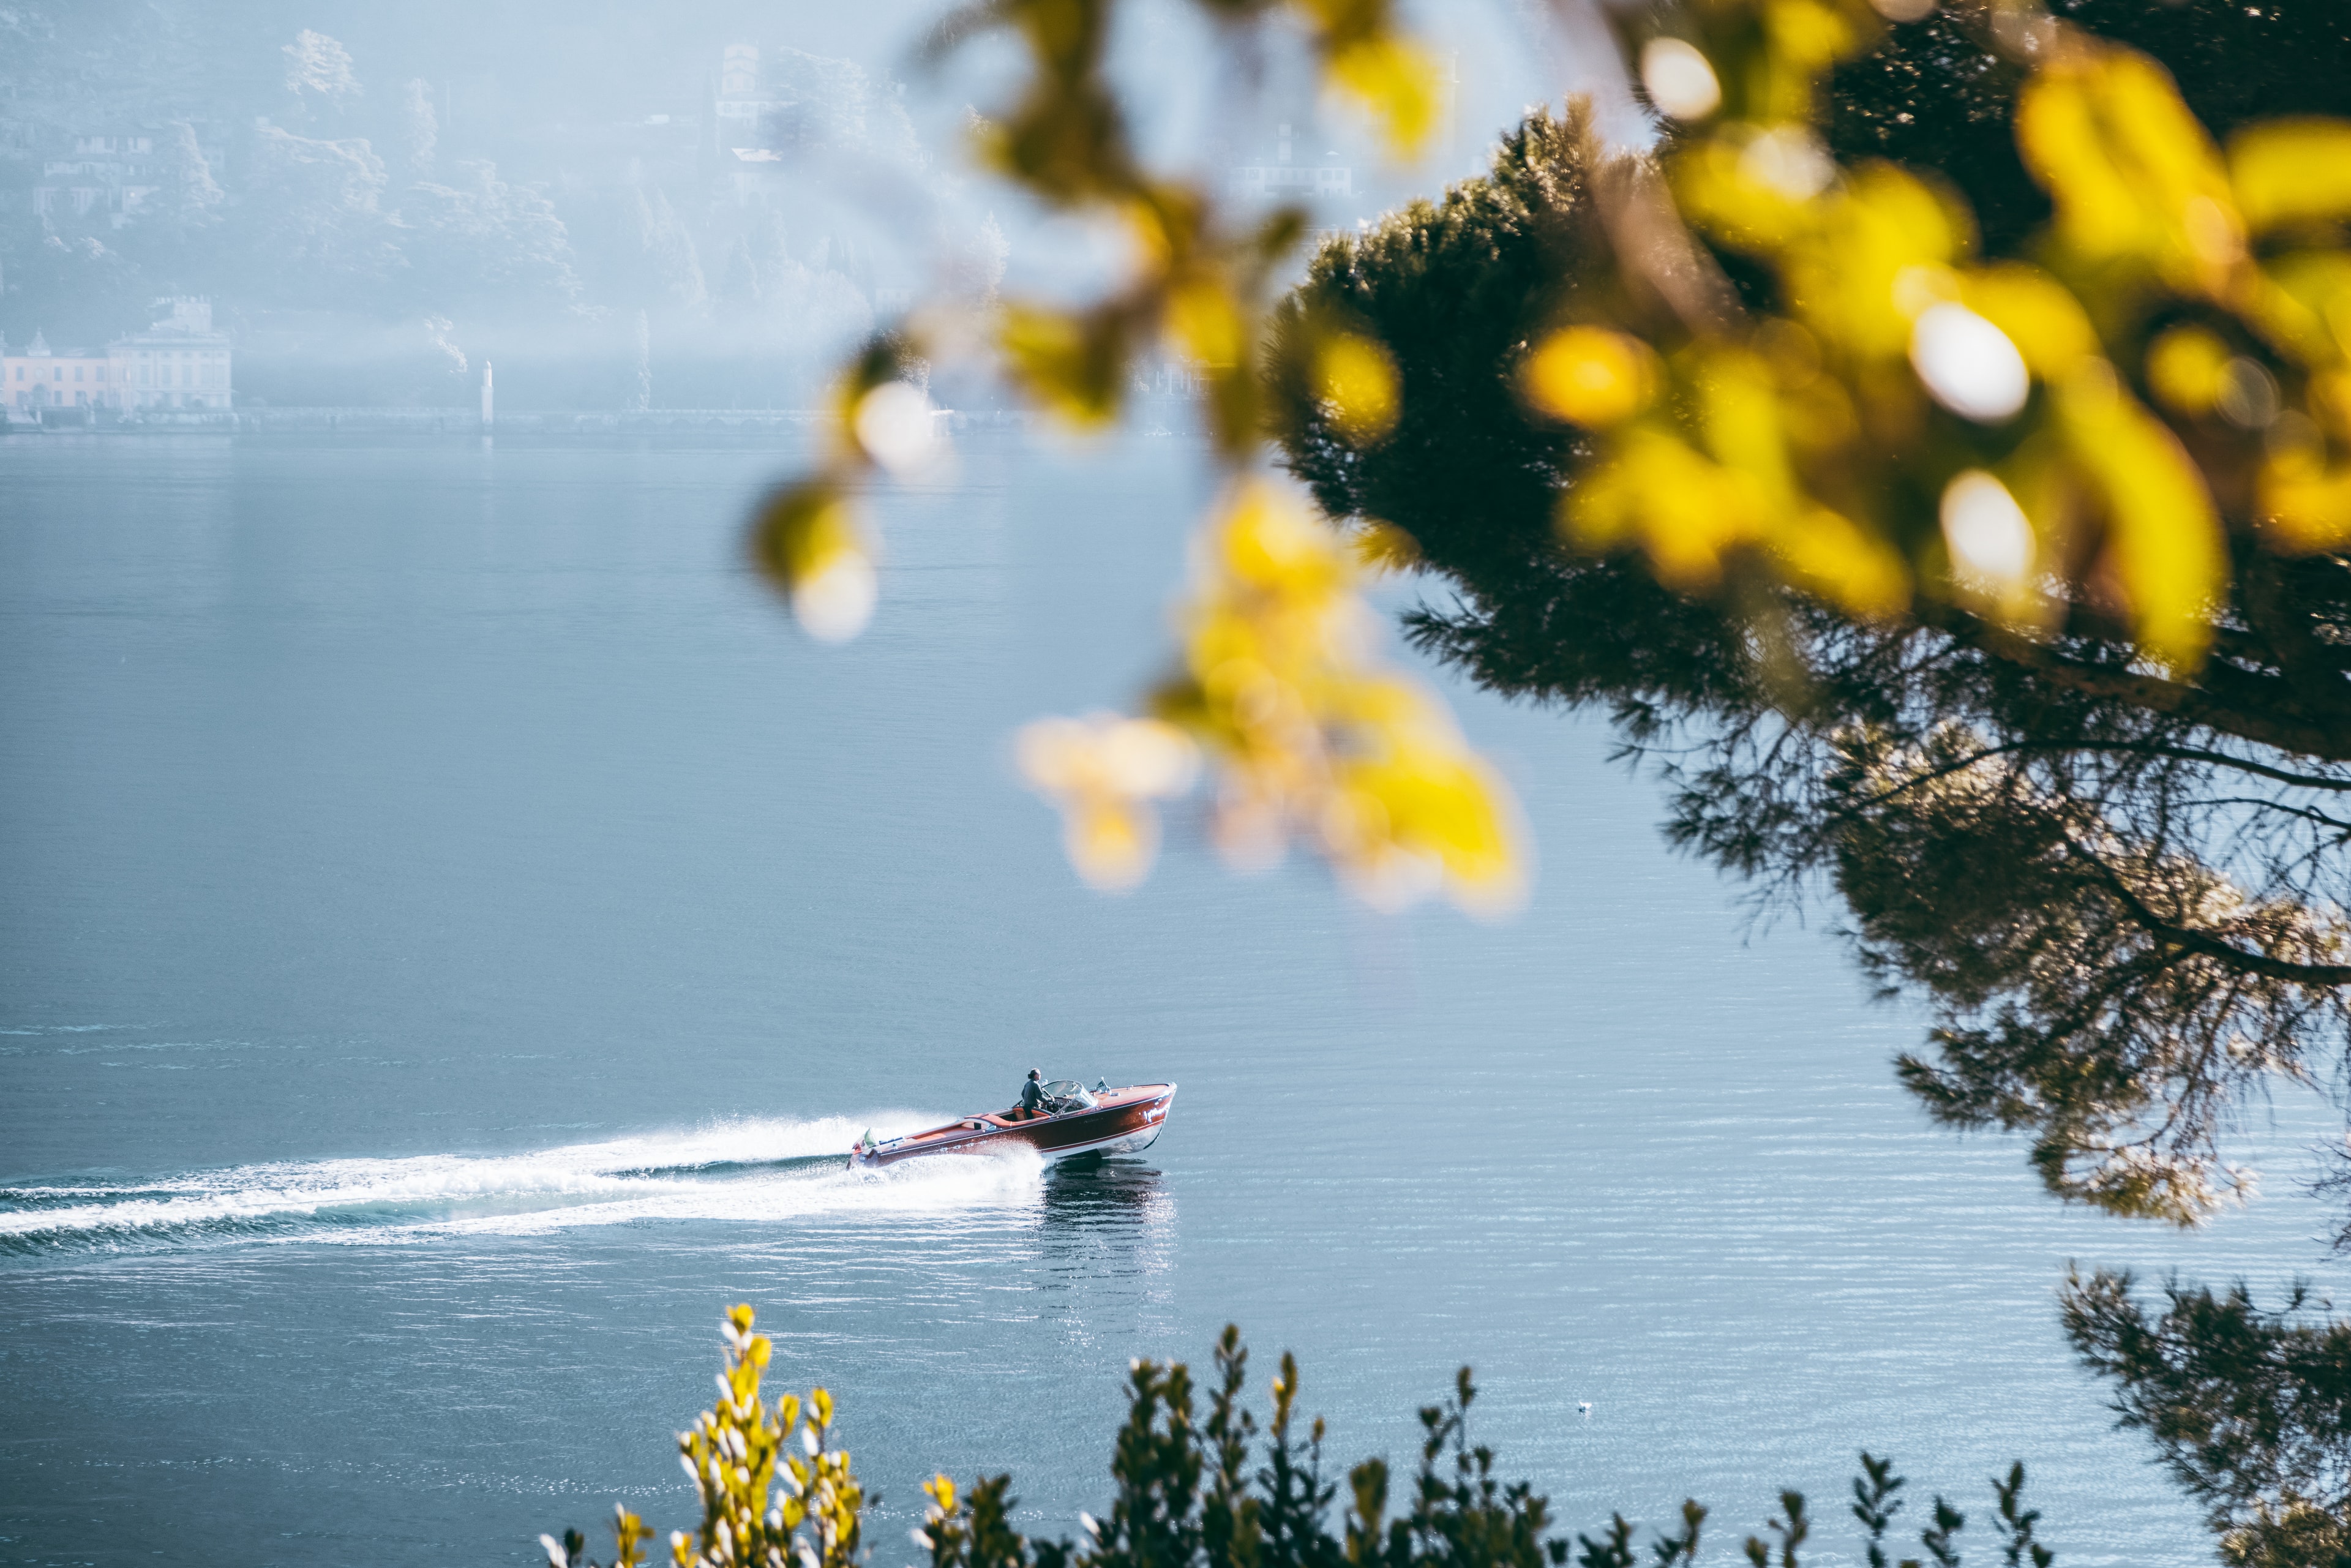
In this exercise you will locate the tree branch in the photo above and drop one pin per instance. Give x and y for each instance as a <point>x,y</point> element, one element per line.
<point>2148,749</point>
<point>2204,943</point>
<point>2151,693</point>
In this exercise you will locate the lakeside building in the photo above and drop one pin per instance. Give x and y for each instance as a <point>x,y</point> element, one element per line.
<point>42,377</point>
<point>180,362</point>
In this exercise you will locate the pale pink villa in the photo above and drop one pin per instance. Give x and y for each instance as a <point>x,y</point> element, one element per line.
<point>180,362</point>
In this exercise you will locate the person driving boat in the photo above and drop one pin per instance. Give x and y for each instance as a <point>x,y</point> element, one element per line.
<point>1032,1095</point>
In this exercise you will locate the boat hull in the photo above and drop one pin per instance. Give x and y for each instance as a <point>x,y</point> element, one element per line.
<point>1123,1122</point>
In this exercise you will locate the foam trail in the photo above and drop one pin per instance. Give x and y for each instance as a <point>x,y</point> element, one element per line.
<point>748,1169</point>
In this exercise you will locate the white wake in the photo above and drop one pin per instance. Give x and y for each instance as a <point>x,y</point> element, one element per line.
<point>762,1169</point>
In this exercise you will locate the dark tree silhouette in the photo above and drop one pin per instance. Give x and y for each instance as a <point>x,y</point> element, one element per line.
<point>2123,891</point>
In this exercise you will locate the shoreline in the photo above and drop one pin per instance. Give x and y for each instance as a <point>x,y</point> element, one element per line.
<point>1146,415</point>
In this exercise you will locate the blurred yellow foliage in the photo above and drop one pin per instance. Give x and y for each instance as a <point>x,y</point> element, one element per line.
<point>1069,362</point>
<point>1311,737</point>
<point>2291,172</point>
<point>1906,362</point>
<point>1908,418</point>
<point>1356,380</point>
<point>2305,504</point>
<point>1803,39</point>
<point>1590,376</point>
<point>1394,79</point>
<point>1205,320</point>
<point>2188,369</point>
<point>808,540</point>
<point>2164,538</point>
<point>2137,182</point>
<point>1103,772</point>
<point>2036,312</point>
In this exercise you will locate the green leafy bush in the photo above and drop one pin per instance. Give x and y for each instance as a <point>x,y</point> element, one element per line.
<point>1218,1493</point>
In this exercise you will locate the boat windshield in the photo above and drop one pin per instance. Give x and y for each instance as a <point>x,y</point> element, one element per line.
<point>1067,1094</point>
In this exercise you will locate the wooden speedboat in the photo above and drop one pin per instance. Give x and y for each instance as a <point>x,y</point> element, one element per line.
<point>1075,1121</point>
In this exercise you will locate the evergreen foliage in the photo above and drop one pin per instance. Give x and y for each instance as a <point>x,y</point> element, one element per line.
<point>1933,98</point>
<point>2250,1408</point>
<point>2123,889</point>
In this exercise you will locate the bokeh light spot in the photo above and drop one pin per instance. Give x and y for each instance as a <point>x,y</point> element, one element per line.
<point>1969,365</point>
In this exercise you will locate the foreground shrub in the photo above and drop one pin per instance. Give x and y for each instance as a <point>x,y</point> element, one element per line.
<point>1188,1498</point>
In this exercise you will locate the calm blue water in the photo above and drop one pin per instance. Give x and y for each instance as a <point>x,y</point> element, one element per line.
<point>445,906</point>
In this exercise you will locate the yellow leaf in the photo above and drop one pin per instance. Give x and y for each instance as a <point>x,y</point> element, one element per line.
<point>2040,316</point>
<point>1821,551</point>
<point>1834,557</point>
<point>808,542</point>
<point>1888,245</point>
<point>1740,413</point>
<point>1413,809</point>
<point>1652,489</point>
<point>2292,170</point>
<point>1069,362</point>
<point>1205,317</point>
<point>1127,759</point>
<point>2132,172</point>
<point>1394,79</point>
<point>1356,379</point>
<point>1111,845</point>
<point>2188,369</point>
<point>1718,192</point>
<point>1807,38</point>
<point>1307,732</point>
<point>1590,376</point>
<point>2303,305</point>
<point>2329,400</point>
<point>1268,541</point>
<point>1100,772</point>
<point>2305,506</point>
<point>1155,230</point>
<point>1819,415</point>
<point>2164,535</point>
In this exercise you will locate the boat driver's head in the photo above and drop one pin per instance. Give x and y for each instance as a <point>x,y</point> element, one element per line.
<point>1034,1073</point>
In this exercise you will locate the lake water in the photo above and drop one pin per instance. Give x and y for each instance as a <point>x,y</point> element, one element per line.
<point>447,907</point>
